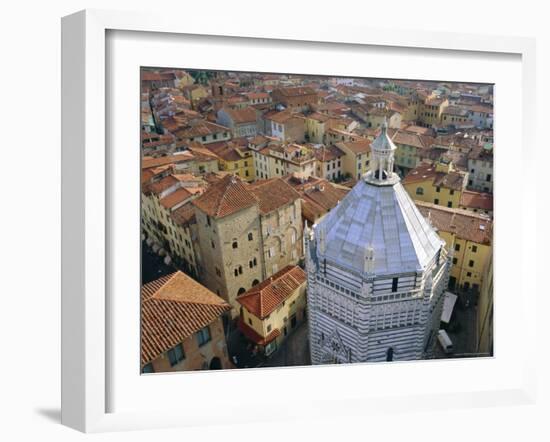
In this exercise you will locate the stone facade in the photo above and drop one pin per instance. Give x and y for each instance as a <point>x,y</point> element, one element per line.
<point>281,237</point>
<point>230,252</point>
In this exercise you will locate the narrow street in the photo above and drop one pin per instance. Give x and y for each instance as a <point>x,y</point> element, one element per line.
<point>461,331</point>
<point>152,265</point>
<point>294,351</point>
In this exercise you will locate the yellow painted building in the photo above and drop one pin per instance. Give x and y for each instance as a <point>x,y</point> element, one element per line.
<point>195,92</point>
<point>430,110</point>
<point>409,145</point>
<point>438,183</point>
<point>167,219</point>
<point>315,126</point>
<point>485,313</point>
<point>356,159</point>
<point>271,310</point>
<point>235,159</point>
<point>469,236</point>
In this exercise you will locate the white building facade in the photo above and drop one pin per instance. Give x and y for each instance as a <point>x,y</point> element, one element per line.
<point>377,271</point>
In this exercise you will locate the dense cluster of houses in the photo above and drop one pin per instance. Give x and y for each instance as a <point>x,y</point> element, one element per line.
<point>235,164</point>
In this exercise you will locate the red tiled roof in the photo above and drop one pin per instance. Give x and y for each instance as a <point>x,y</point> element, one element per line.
<point>282,117</point>
<point>264,298</point>
<point>162,185</point>
<point>175,198</point>
<point>455,180</point>
<point>409,138</point>
<point>184,215</point>
<point>477,200</point>
<point>361,146</point>
<point>240,116</point>
<point>225,197</point>
<point>462,223</point>
<point>172,309</point>
<point>327,153</point>
<point>148,162</point>
<point>272,194</point>
<point>295,91</point>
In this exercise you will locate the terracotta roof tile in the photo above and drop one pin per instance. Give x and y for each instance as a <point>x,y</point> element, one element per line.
<point>175,198</point>
<point>462,223</point>
<point>225,197</point>
<point>455,180</point>
<point>240,116</point>
<point>184,215</point>
<point>477,200</point>
<point>163,184</point>
<point>172,309</point>
<point>327,153</point>
<point>148,162</point>
<point>273,194</point>
<point>298,91</point>
<point>357,147</point>
<point>264,298</point>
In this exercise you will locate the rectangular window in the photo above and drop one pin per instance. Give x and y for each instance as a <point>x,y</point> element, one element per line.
<point>148,368</point>
<point>438,189</point>
<point>470,263</point>
<point>394,284</point>
<point>268,328</point>
<point>449,204</point>
<point>203,336</point>
<point>455,260</point>
<point>176,355</point>
<point>457,247</point>
<point>436,201</point>
<point>474,249</point>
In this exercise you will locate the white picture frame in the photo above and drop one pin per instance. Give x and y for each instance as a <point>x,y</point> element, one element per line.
<point>86,352</point>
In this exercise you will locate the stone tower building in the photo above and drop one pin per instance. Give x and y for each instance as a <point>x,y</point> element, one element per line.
<point>376,271</point>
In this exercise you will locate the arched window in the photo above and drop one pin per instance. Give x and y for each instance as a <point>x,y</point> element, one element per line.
<point>419,191</point>
<point>255,282</point>
<point>241,291</point>
<point>240,270</point>
<point>235,244</point>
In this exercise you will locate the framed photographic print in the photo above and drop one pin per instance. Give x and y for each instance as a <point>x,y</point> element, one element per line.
<point>292,211</point>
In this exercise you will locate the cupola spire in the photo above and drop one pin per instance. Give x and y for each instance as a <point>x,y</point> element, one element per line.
<point>382,158</point>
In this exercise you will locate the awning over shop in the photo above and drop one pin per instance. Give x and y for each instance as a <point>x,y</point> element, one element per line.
<point>253,336</point>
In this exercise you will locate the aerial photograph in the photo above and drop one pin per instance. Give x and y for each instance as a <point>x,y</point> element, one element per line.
<point>298,220</point>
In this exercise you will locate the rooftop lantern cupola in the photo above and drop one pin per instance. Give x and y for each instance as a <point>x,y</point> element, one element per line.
<point>382,159</point>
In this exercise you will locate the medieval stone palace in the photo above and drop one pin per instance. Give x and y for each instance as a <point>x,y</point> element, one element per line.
<point>376,272</point>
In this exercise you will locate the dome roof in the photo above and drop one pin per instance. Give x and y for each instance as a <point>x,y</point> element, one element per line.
<point>380,224</point>
<point>383,142</point>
